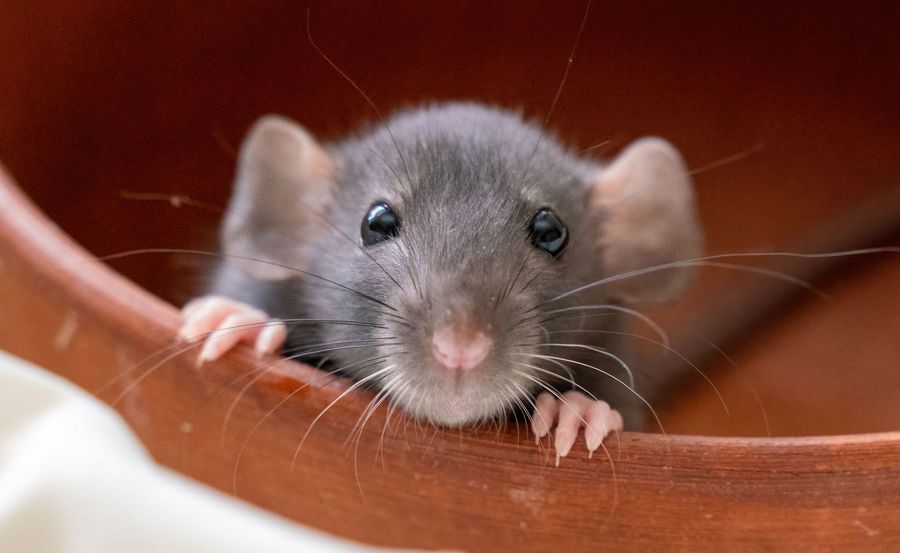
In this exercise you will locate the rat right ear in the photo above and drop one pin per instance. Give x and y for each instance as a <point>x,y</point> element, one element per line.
<point>646,206</point>
<point>282,175</point>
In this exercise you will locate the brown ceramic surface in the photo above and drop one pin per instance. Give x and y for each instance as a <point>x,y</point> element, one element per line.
<point>104,99</point>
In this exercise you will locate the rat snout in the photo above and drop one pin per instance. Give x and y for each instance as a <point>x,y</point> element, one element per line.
<point>460,348</point>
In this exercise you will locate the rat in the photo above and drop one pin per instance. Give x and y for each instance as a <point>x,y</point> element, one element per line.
<point>451,256</point>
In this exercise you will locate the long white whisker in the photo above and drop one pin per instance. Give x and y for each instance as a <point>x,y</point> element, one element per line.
<point>354,386</point>
<point>745,376</point>
<point>555,394</point>
<point>699,261</point>
<point>144,251</point>
<point>393,405</point>
<point>370,410</point>
<point>384,393</point>
<point>613,356</point>
<point>663,335</point>
<point>633,392</point>
<point>554,375</point>
<point>269,366</point>
<point>668,348</point>
<point>284,400</point>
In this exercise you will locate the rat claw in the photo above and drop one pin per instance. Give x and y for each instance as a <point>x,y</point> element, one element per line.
<point>571,412</point>
<point>222,323</point>
<point>191,307</point>
<point>204,316</point>
<point>600,420</point>
<point>571,418</point>
<point>545,411</point>
<point>235,327</point>
<point>566,435</point>
<point>270,338</point>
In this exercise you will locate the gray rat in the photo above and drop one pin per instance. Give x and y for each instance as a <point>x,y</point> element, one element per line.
<point>431,256</point>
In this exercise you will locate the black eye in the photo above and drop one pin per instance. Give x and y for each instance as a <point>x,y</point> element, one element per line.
<point>379,224</point>
<point>548,232</point>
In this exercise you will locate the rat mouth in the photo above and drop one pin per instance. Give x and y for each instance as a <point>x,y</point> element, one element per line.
<point>453,407</point>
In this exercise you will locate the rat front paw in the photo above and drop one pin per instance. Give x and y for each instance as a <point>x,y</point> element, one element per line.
<point>222,323</point>
<point>570,412</point>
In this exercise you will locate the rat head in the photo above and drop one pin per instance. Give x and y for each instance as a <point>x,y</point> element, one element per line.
<point>448,234</point>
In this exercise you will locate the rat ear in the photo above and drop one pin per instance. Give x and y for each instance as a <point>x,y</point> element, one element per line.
<point>283,185</point>
<point>645,204</point>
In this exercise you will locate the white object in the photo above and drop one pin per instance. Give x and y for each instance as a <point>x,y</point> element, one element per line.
<point>73,478</point>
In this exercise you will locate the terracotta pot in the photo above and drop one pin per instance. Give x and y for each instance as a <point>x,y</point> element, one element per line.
<point>109,108</point>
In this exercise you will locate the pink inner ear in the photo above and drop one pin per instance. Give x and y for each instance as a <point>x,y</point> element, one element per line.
<point>646,204</point>
<point>282,173</point>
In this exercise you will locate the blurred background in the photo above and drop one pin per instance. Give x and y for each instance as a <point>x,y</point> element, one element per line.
<point>788,114</point>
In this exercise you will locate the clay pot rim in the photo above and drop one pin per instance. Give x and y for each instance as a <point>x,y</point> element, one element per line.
<point>61,260</point>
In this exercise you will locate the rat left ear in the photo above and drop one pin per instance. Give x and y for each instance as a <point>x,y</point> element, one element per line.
<point>283,184</point>
<point>645,205</point>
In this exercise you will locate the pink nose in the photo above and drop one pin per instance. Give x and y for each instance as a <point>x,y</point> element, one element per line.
<point>460,350</point>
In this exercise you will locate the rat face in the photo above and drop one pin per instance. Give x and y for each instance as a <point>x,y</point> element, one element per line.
<point>443,242</point>
<point>470,279</point>
<point>462,238</point>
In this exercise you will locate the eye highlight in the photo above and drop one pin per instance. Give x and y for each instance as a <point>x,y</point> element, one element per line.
<point>380,223</point>
<point>547,232</point>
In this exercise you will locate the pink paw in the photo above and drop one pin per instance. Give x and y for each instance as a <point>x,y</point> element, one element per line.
<point>571,412</point>
<point>223,323</point>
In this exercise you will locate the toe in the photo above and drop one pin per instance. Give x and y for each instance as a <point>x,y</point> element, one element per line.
<point>203,317</point>
<point>233,329</point>
<point>546,408</point>
<point>192,306</point>
<point>571,419</point>
<point>270,338</point>
<point>600,420</point>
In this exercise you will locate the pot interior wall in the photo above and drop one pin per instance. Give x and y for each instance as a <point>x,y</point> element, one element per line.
<point>106,108</point>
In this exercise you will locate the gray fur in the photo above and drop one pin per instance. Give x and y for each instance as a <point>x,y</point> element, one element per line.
<point>465,180</point>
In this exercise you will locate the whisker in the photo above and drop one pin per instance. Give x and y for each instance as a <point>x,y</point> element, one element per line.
<point>663,335</point>
<point>667,348</point>
<point>178,348</point>
<point>143,376</point>
<point>745,377</point>
<point>612,376</point>
<point>508,399</point>
<point>558,396</point>
<point>611,355</point>
<point>195,342</point>
<point>567,369</point>
<point>203,253</point>
<point>570,60</point>
<point>514,404</point>
<point>393,406</point>
<point>175,200</point>
<point>271,411</point>
<point>594,147</point>
<point>612,467</point>
<point>367,412</point>
<point>352,387</point>
<point>362,93</point>
<point>384,393</point>
<point>739,156</point>
<point>522,397</point>
<point>554,375</point>
<point>266,368</point>
<point>358,247</point>
<point>699,261</point>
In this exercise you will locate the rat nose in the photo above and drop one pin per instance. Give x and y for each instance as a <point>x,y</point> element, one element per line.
<point>458,349</point>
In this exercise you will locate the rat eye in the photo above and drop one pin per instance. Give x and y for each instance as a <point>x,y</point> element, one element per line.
<point>548,232</point>
<point>379,224</point>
